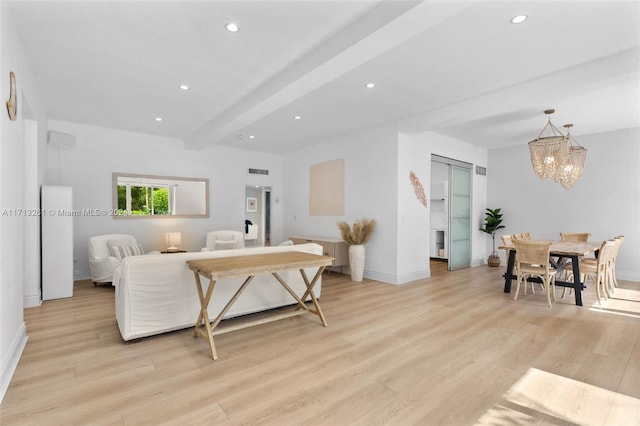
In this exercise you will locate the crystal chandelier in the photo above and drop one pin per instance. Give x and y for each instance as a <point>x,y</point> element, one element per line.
<point>571,171</point>
<point>548,153</point>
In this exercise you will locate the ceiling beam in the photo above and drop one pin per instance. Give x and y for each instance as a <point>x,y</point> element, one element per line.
<point>383,27</point>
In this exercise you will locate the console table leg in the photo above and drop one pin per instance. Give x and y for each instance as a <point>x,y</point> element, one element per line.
<point>310,292</point>
<point>204,315</point>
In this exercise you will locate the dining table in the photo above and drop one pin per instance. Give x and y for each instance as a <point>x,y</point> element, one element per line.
<point>559,251</point>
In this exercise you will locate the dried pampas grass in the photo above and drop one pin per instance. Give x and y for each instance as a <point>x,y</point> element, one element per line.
<point>359,233</point>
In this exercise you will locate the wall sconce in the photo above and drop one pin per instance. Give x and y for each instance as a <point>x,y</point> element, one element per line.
<point>174,239</point>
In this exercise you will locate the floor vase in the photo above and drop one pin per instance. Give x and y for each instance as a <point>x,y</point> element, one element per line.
<point>356,262</point>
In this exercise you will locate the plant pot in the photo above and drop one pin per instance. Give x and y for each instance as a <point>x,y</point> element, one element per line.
<point>356,262</point>
<point>493,261</point>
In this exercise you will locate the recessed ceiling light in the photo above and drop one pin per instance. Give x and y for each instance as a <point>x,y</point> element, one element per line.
<point>232,27</point>
<point>370,85</point>
<point>158,118</point>
<point>297,117</point>
<point>518,19</point>
<point>184,87</point>
<point>251,137</point>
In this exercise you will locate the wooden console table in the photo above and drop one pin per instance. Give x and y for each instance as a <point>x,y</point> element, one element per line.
<point>250,266</point>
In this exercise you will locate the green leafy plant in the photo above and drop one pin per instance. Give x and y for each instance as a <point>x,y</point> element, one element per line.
<point>492,222</point>
<point>358,234</point>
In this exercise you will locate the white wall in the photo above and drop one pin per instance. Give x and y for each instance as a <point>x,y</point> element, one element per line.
<point>370,192</point>
<point>414,221</point>
<point>377,167</point>
<point>99,152</point>
<point>20,174</point>
<point>605,202</point>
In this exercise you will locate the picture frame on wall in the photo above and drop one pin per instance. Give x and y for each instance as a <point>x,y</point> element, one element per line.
<point>252,204</point>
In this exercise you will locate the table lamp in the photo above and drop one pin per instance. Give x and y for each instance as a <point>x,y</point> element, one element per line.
<point>174,239</point>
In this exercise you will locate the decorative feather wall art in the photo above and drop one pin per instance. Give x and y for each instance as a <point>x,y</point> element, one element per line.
<point>418,189</point>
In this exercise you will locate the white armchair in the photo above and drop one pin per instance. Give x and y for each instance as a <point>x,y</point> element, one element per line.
<point>223,240</point>
<point>102,262</point>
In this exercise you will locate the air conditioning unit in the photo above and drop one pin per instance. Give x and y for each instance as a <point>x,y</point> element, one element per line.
<point>61,140</point>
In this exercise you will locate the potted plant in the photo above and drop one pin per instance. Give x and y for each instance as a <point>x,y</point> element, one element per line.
<point>493,222</point>
<point>356,236</point>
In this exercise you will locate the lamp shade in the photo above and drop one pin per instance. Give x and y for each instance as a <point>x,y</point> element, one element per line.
<point>547,154</point>
<point>571,171</point>
<point>174,239</point>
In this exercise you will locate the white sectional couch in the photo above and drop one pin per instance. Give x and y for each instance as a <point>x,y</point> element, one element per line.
<point>157,293</point>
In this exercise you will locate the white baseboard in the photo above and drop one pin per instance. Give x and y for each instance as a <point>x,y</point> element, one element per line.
<point>628,276</point>
<point>396,279</point>
<point>10,361</point>
<point>32,300</point>
<point>478,262</point>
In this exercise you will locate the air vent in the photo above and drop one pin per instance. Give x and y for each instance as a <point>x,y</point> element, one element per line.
<point>481,171</point>
<point>258,172</point>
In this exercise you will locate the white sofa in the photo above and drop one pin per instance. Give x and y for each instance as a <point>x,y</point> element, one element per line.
<point>157,293</point>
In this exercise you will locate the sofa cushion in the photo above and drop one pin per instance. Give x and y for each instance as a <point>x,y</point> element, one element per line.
<point>225,244</point>
<point>120,252</point>
<point>118,242</point>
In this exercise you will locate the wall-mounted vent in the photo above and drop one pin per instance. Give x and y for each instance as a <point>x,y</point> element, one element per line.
<point>481,171</point>
<point>258,172</point>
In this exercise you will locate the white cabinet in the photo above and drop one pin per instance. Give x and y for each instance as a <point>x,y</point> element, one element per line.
<point>57,241</point>
<point>437,192</point>
<point>438,244</point>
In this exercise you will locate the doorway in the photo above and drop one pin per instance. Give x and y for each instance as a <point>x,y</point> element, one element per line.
<point>257,215</point>
<point>450,234</point>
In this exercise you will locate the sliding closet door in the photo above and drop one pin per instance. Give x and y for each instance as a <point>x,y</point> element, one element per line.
<point>459,217</point>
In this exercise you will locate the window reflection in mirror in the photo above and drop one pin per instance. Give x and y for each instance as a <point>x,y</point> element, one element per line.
<point>147,196</point>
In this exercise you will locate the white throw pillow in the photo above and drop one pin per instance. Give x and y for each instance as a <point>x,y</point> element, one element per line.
<point>120,242</point>
<point>286,243</point>
<point>225,245</point>
<point>120,252</point>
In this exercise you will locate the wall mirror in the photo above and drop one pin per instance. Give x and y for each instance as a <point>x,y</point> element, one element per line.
<point>146,196</point>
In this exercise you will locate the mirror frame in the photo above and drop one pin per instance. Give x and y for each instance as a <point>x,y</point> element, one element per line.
<point>114,190</point>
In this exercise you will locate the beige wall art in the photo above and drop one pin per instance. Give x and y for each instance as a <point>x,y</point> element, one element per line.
<point>326,188</point>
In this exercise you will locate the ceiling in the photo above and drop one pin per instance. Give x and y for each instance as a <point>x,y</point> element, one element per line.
<point>459,68</point>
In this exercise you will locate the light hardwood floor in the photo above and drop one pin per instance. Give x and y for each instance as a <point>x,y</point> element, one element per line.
<point>452,349</point>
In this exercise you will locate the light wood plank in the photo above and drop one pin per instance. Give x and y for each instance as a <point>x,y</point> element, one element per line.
<point>452,349</point>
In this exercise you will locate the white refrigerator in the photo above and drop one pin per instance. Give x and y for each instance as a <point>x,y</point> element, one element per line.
<point>57,215</point>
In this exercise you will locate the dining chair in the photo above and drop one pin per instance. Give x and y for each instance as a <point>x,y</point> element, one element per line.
<point>612,282</point>
<point>521,236</point>
<point>532,260</point>
<point>575,236</point>
<point>597,269</point>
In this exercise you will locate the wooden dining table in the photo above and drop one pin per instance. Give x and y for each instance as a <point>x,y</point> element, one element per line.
<point>572,250</point>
